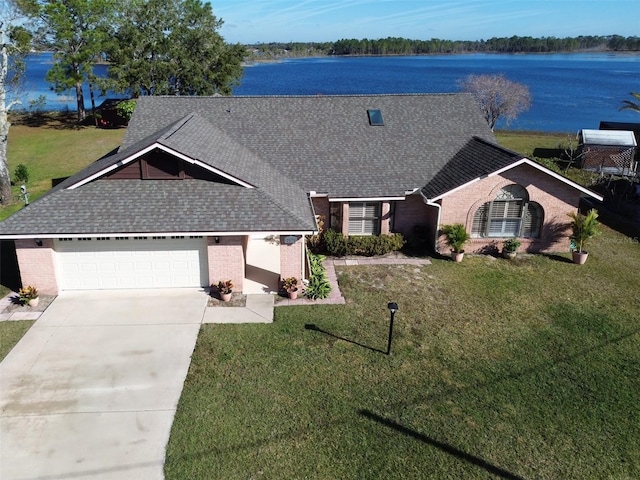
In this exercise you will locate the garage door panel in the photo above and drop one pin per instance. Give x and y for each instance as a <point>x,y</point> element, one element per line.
<point>132,263</point>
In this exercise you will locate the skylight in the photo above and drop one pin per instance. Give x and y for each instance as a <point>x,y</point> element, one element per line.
<point>375,117</point>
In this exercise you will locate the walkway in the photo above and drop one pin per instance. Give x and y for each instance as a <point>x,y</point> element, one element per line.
<point>24,313</point>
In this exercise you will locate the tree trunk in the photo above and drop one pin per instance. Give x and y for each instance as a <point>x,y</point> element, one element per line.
<point>93,104</point>
<point>6,196</point>
<point>5,180</point>
<point>80,97</point>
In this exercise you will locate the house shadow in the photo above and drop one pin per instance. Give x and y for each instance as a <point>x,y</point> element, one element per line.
<point>445,447</point>
<point>315,328</point>
<point>9,271</point>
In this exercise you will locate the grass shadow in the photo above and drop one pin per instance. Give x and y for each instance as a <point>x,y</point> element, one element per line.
<point>445,447</point>
<point>556,258</point>
<point>315,328</point>
<point>54,120</point>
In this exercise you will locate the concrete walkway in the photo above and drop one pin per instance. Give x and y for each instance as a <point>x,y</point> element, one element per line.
<point>27,314</point>
<point>258,309</point>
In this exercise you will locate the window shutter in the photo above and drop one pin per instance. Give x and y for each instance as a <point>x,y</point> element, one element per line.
<point>532,221</point>
<point>479,226</point>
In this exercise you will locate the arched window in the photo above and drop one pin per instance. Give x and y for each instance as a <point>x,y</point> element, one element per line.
<point>509,215</point>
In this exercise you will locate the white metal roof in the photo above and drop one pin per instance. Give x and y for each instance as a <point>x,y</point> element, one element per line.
<point>621,138</point>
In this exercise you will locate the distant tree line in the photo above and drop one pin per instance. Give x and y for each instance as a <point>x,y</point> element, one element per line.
<point>404,46</point>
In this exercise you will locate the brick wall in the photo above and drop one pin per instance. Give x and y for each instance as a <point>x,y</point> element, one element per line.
<point>321,208</point>
<point>37,265</point>
<point>555,197</point>
<point>291,264</point>
<point>227,260</point>
<point>412,212</point>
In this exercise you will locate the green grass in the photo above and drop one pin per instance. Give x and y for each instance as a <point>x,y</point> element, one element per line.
<point>547,148</point>
<point>53,148</point>
<point>11,333</point>
<point>524,369</point>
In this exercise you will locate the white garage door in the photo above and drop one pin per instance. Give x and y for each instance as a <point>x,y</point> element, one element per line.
<point>131,262</point>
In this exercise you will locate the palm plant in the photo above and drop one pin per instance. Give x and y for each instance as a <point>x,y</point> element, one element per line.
<point>629,105</point>
<point>456,236</point>
<point>583,228</point>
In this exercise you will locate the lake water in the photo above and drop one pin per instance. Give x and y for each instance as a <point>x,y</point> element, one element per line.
<point>569,91</point>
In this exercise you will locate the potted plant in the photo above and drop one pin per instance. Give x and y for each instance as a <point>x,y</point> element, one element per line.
<point>456,236</point>
<point>28,296</point>
<point>225,288</point>
<point>290,285</point>
<point>510,248</point>
<point>583,229</point>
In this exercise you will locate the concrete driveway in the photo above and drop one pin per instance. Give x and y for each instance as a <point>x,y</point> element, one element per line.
<point>91,390</point>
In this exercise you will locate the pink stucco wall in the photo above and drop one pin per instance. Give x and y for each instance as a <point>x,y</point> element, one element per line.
<point>291,260</point>
<point>37,265</point>
<point>227,260</point>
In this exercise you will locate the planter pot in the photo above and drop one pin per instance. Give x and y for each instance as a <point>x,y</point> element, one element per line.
<point>293,294</point>
<point>457,256</point>
<point>509,255</point>
<point>580,257</point>
<point>33,302</point>
<point>225,297</point>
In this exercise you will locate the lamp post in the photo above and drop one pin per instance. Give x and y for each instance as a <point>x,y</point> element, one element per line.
<point>393,308</point>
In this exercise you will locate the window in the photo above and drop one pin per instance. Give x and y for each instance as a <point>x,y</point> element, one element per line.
<point>509,215</point>
<point>364,218</point>
<point>375,117</point>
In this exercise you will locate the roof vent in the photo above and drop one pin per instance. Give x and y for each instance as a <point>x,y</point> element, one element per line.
<point>375,117</point>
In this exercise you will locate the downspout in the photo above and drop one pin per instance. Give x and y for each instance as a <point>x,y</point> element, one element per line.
<point>439,207</point>
<point>304,260</point>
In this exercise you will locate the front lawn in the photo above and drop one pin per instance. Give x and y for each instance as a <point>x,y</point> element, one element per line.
<point>525,369</point>
<point>11,333</point>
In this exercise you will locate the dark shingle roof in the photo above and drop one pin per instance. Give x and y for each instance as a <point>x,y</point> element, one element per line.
<point>325,143</point>
<point>285,147</point>
<point>476,159</point>
<point>143,206</point>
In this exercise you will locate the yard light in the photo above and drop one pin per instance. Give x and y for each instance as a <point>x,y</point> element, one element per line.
<point>393,308</point>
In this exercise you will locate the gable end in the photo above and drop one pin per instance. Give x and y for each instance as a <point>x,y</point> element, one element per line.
<point>158,164</point>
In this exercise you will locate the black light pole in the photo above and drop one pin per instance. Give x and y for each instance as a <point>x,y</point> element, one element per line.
<point>393,308</point>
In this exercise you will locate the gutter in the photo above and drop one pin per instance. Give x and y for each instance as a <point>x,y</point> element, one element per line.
<point>439,207</point>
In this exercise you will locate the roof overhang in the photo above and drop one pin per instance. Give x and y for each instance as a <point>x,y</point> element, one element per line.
<point>166,149</point>
<point>523,161</point>
<point>155,234</point>
<point>365,199</point>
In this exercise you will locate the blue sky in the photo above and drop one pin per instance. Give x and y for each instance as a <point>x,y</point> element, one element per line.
<point>253,21</point>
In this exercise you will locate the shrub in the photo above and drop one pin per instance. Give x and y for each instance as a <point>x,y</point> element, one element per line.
<point>338,245</point>
<point>21,173</point>
<point>456,236</point>
<point>126,108</point>
<point>225,286</point>
<point>25,294</point>
<point>290,284</point>
<point>315,243</point>
<point>335,243</point>
<point>511,245</point>
<point>319,286</point>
